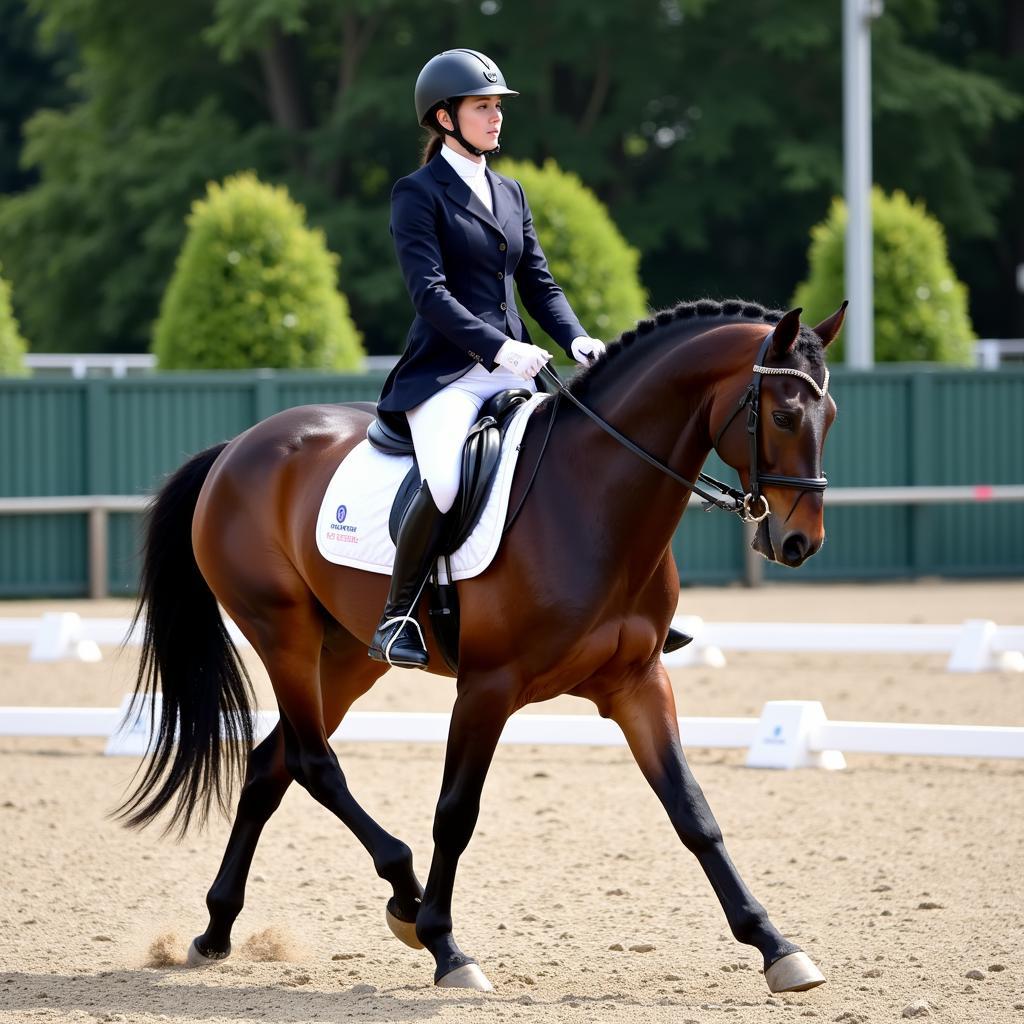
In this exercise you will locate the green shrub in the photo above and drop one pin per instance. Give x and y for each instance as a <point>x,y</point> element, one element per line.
<point>254,287</point>
<point>12,345</point>
<point>920,305</point>
<point>587,256</point>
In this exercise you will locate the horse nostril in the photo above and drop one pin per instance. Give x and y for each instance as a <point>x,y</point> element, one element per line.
<point>794,547</point>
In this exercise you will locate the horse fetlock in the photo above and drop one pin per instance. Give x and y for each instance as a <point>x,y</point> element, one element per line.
<point>223,908</point>
<point>434,931</point>
<point>393,862</point>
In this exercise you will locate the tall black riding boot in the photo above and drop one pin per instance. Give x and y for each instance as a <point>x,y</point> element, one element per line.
<point>399,639</point>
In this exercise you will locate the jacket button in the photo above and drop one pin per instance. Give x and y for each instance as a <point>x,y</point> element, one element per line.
<point>502,246</point>
<point>501,274</point>
<point>504,306</point>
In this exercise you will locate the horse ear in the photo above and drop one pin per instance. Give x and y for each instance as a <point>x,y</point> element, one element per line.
<point>786,332</point>
<point>828,329</point>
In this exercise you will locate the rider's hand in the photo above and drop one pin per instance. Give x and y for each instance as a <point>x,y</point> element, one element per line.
<point>521,358</point>
<point>585,350</point>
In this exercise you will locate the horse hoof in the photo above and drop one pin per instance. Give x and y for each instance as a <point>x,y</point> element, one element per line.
<point>403,930</point>
<point>197,959</point>
<point>466,976</point>
<point>793,973</point>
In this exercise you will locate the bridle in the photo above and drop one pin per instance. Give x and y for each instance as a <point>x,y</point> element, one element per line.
<point>752,397</point>
<point>742,504</point>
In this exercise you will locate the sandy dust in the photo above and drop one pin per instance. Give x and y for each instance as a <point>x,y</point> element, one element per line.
<point>902,877</point>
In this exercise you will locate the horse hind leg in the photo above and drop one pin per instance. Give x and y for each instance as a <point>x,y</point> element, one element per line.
<point>646,713</point>
<point>266,781</point>
<point>269,774</point>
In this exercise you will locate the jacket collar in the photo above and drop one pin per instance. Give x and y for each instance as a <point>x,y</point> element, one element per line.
<point>461,193</point>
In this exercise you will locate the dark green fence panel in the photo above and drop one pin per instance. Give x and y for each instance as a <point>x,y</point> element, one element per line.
<point>977,428</point>
<point>896,426</point>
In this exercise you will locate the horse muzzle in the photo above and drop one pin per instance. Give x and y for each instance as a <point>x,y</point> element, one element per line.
<point>792,549</point>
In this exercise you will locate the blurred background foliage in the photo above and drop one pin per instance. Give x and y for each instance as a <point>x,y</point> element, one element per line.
<point>254,287</point>
<point>711,130</point>
<point>920,306</point>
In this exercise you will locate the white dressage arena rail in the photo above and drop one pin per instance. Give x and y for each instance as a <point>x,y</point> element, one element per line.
<point>977,645</point>
<point>98,507</point>
<point>789,733</point>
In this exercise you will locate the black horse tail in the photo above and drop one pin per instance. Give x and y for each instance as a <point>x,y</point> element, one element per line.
<point>188,656</point>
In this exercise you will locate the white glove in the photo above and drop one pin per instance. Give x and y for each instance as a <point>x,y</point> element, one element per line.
<point>521,358</point>
<point>585,350</point>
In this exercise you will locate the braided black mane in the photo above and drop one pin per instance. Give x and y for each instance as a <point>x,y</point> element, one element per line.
<point>686,317</point>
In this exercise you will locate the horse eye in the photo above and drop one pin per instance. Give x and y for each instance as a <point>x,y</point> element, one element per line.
<point>783,419</point>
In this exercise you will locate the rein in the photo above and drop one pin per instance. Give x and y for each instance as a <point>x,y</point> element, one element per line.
<point>741,504</point>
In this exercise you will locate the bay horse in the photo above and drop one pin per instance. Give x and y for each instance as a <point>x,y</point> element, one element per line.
<point>578,600</point>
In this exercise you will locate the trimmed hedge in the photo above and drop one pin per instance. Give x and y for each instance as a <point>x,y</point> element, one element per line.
<point>587,255</point>
<point>920,305</point>
<point>12,344</point>
<point>254,287</point>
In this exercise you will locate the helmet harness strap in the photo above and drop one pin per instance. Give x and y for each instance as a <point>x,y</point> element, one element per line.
<point>457,132</point>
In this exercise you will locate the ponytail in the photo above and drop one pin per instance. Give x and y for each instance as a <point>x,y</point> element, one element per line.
<point>432,148</point>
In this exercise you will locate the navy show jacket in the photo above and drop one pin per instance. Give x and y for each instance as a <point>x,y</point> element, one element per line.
<point>459,261</point>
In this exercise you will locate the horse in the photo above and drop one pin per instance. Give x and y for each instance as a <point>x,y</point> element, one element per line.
<point>578,600</point>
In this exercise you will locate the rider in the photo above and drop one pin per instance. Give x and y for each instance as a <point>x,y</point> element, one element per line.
<point>462,234</point>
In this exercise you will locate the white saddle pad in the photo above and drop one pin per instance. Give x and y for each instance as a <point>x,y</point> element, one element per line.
<point>352,527</point>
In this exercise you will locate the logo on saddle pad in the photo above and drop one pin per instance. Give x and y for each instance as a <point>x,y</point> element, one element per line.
<point>339,530</point>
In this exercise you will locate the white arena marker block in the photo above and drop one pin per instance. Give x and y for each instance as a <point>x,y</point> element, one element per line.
<point>56,637</point>
<point>784,735</point>
<point>131,738</point>
<point>62,635</point>
<point>972,651</point>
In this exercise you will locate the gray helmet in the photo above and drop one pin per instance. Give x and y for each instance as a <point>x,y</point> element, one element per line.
<point>457,73</point>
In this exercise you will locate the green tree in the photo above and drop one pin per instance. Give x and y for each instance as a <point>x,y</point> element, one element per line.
<point>12,345</point>
<point>920,306</point>
<point>588,257</point>
<point>710,129</point>
<point>254,287</point>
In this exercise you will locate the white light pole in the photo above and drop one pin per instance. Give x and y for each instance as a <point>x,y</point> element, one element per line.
<point>860,318</point>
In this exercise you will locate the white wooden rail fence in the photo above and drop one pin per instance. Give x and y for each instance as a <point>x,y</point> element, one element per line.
<point>788,734</point>
<point>977,645</point>
<point>98,507</point>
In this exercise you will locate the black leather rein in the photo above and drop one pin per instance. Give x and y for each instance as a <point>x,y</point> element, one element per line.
<point>740,503</point>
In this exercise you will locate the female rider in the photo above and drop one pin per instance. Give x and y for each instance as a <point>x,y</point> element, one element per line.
<point>462,234</point>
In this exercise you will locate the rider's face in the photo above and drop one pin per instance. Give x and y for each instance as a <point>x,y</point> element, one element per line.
<point>480,121</point>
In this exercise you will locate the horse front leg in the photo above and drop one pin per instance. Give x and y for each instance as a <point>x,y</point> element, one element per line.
<point>646,713</point>
<point>480,713</point>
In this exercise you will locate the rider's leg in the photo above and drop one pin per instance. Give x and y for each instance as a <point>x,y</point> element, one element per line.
<point>439,427</point>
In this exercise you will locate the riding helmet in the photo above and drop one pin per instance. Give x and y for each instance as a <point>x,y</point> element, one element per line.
<point>457,73</point>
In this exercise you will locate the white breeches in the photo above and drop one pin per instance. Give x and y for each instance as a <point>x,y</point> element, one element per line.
<point>440,424</point>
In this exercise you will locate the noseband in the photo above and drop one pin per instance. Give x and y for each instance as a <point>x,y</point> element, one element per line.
<point>742,504</point>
